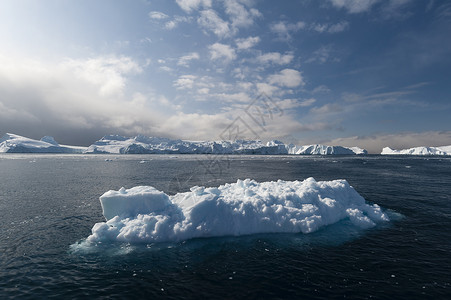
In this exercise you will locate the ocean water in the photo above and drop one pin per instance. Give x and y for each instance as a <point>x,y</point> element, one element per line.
<point>49,203</point>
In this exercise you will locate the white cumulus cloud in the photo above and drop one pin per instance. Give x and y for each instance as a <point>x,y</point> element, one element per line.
<point>185,82</point>
<point>191,5</point>
<point>176,21</point>
<point>105,72</point>
<point>222,51</point>
<point>287,78</point>
<point>284,29</point>
<point>210,21</point>
<point>156,15</point>
<point>247,43</point>
<point>239,15</point>
<point>186,59</point>
<point>275,58</point>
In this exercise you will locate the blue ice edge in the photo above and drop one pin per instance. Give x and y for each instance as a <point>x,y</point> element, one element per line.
<point>309,211</point>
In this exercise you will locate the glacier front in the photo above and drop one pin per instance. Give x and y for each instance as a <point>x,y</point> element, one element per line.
<point>144,214</point>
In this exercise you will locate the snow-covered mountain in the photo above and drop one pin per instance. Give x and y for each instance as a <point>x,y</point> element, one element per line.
<point>13,143</point>
<point>142,145</point>
<point>444,150</point>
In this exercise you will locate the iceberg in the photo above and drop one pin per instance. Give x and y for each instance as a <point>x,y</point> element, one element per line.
<point>116,144</point>
<point>144,214</point>
<point>13,143</point>
<point>444,150</point>
<point>153,145</point>
<point>327,150</point>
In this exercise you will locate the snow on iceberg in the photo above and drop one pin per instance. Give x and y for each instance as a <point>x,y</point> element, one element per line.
<point>145,214</point>
<point>13,143</point>
<point>142,145</point>
<point>444,150</point>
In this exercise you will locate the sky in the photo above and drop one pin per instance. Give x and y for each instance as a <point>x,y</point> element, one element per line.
<point>368,73</point>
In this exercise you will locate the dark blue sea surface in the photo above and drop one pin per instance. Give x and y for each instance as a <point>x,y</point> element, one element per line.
<point>49,203</point>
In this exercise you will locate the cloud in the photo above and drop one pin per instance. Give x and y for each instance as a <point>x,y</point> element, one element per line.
<point>210,21</point>
<point>394,9</point>
<point>166,69</point>
<point>156,15</point>
<point>72,96</point>
<point>276,58</point>
<point>339,27</point>
<point>329,108</point>
<point>191,5</point>
<point>293,103</point>
<point>390,8</point>
<point>176,21</point>
<point>169,23</point>
<point>186,59</point>
<point>322,55</point>
<point>287,78</point>
<point>378,99</point>
<point>352,97</point>
<point>222,51</point>
<point>203,91</point>
<point>185,82</point>
<point>200,84</point>
<point>265,88</point>
<point>80,100</point>
<point>284,29</point>
<point>375,143</point>
<point>107,73</point>
<point>354,6</point>
<point>240,97</point>
<point>239,15</point>
<point>307,102</point>
<point>330,28</point>
<point>247,43</point>
<point>321,89</point>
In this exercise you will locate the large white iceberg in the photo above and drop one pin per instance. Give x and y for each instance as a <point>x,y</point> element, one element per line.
<point>142,145</point>
<point>326,150</point>
<point>13,143</point>
<point>444,150</point>
<point>144,214</point>
<point>116,144</point>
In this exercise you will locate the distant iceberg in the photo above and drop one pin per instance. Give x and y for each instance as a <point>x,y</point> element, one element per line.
<point>144,214</point>
<point>326,150</point>
<point>444,150</point>
<point>116,144</point>
<point>153,145</point>
<point>13,143</point>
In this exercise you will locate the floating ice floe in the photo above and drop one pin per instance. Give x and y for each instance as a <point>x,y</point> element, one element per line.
<point>144,214</point>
